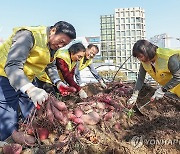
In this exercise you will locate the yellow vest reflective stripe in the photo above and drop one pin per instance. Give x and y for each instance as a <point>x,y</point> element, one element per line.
<point>39,55</point>
<point>84,65</point>
<point>162,74</point>
<point>63,54</point>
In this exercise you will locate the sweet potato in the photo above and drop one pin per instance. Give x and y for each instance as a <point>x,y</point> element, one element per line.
<point>63,119</point>
<point>91,118</point>
<point>78,121</point>
<point>30,131</point>
<point>22,138</point>
<point>71,116</point>
<point>49,112</point>
<point>43,133</point>
<point>81,128</point>
<point>78,112</point>
<point>61,106</point>
<point>117,126</point>
<point>57,114</point>
<point>108,116</point>
<point>12,149</point>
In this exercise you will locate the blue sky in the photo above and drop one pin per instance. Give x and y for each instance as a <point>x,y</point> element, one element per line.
<point>162,16</point>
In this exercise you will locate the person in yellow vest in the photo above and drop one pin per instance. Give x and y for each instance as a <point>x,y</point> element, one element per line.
<point>162,64</point>
<point>66,61</point>
<point>27,52</point>
<point>87,61</point>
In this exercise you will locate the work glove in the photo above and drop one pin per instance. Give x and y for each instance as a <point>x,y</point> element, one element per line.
<point>103,85</point>
<point>133,99</point>
<point>83,84</point>
<point>158,94</point>
<point>82,94</point>
<point>37,95</point>
<point>64,89</point>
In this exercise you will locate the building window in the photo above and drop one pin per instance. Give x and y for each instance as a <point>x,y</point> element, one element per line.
<point>118,20</point>
<point>117,27</point>
<point>118,34</point>
<point>137,13</point>
<point>128,46</point>
<point>122,14</point>
<point>109,31</point>
<point>127,13</point>
<point>138,32</point>
<point>138,26</point>
<point>128,39</point>
<point>129,66</point>
<point>133,20</point>
<point>128,33</point>
<point>128,26</point>
<point>118,47</point>
<point>138,19</point>
<point>109,37</point>
<point>122,20</point>
<point>103,26</point>
<point>133,33</point>
<point>123,33</point>
<point>132,13</point>
<point>127,20</point>
<point>123,46</point>
<point>103,37</point>
<point>103,20</point>
<point>122,26</point>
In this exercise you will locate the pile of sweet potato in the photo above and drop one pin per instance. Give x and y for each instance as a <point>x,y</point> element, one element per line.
<point>57,122</point>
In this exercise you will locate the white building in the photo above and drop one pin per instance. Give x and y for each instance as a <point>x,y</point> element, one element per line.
<point>165,41</point>
<point>119,32</point>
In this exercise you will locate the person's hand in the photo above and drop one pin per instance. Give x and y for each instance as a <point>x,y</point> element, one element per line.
<point>82,94</point>
<point>64,89</point>
<point>37,95</point>
<point>103,85</point>
<point>133,99</point>
<point>158,94</point>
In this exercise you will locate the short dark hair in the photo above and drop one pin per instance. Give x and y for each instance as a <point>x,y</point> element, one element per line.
<point>66,28</point>
<point>93,45</point>
<point>75,48</point>
<point>144,47</point>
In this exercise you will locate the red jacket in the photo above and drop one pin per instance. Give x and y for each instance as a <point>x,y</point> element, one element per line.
<point>68,75</point>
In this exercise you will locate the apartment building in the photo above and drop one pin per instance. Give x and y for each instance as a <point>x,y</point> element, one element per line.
<point>119,32</point>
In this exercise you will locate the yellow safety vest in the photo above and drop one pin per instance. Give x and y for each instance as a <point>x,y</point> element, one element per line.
<point>39,56</point>
<point>83,65</point>
<point>63,54</point>
<point>162,74</point>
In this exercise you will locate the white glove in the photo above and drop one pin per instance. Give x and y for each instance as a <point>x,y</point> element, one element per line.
<point>103,84</point>
<point>133,98</point>
<point>37,95</point>
<point>158,94</point>
<point>82,94</point>
<point>82,84</point>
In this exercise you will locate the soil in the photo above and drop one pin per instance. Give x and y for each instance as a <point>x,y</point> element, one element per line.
<point>155,130</point>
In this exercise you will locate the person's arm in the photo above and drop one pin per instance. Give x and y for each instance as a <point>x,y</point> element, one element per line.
<point>138,87</point>
<point>22,43</point>
<point>77,74</point>
<point>174,67</point>
<point>94,72</point>
<point>67,75</point>
<point>52,72</point>
<point>141,77</point>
